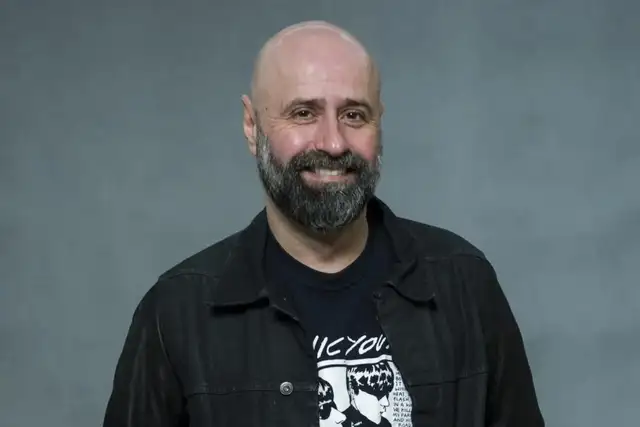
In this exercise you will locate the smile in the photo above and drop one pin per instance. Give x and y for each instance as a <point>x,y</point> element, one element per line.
<point>328,175</point>
<point>330,172</point>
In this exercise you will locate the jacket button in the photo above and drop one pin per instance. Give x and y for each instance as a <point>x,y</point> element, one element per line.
<point>286,388</point>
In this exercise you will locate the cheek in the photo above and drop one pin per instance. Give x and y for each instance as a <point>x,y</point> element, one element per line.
<point>287,144</point>
<point>366,145</point>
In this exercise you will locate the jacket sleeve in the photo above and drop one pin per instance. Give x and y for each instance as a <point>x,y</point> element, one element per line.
<point>511,399</point>
<point>145,389</point>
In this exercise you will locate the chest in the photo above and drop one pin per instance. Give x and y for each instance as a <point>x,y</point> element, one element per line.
<point>261,366</point>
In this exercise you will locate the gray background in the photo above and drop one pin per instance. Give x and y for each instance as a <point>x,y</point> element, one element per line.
<point>513,123</point>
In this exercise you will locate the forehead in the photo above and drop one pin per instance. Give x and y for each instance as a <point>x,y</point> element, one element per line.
<point>331,76</point>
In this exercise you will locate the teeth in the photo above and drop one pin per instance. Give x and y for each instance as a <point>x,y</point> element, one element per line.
<point>330,172</point>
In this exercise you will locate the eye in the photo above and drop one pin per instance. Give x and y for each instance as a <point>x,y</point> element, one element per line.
<point>302,113</point>
<point>355,116</point>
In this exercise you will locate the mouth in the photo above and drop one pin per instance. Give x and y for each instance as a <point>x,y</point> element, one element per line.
<point>329,172</point>
<point>327,175</point>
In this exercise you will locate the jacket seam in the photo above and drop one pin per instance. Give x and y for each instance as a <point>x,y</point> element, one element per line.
<point>188,272</point>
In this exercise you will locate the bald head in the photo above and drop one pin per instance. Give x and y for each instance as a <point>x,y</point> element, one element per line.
<point>313,124</point>
<point>308,47</point>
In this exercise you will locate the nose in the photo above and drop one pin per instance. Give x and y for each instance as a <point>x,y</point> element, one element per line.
<point>384,402</point>
<point>330,138</point>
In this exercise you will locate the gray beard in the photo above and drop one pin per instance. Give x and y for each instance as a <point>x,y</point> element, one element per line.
<point>320,209</point>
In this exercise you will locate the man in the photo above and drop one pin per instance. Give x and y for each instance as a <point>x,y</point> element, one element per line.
<point>327,308</point>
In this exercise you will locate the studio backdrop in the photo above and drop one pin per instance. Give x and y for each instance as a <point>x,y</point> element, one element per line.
<point>513,123</point>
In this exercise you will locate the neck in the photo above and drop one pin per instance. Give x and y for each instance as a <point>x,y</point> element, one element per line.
<point>328,253</point>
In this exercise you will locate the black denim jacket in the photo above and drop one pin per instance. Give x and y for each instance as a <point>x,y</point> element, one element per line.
<point>212,344</point>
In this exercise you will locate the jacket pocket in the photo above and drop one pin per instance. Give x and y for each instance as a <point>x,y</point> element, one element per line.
<point>433,398</point>
<point>265,403</point>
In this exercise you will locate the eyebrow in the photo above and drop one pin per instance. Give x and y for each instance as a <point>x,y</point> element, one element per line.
<point>319,103</point>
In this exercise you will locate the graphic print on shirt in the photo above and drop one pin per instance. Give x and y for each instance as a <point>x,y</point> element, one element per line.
<point>359,384</point>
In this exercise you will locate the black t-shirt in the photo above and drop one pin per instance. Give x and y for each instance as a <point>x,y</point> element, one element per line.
<point>358,383</point>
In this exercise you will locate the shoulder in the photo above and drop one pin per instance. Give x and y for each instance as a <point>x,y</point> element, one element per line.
<point>460,264</point>
<point>208,261</point>
<point>447,248</point>
<point>470,275</point>
<point>188,281</point>
<point>437,242</point>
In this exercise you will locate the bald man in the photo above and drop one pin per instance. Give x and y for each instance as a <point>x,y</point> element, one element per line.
<point>328,309</point>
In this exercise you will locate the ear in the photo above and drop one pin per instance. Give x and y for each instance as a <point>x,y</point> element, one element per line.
<point>249,123</point>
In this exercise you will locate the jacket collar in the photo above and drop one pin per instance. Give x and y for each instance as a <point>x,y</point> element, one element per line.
<point>243,282</point>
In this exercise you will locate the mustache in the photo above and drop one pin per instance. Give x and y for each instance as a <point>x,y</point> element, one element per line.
<point>321,160</point>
